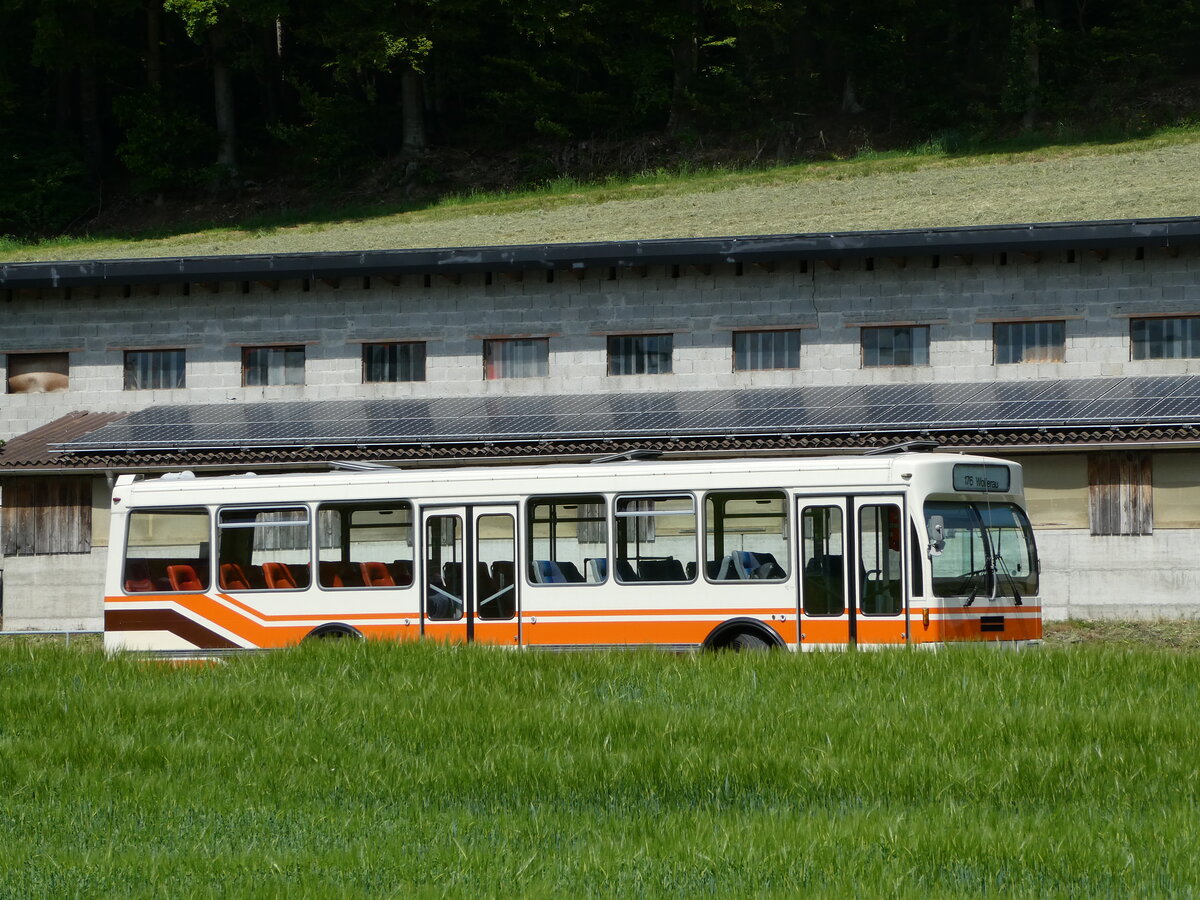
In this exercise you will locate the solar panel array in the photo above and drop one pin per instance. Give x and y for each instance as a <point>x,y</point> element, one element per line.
<point>758,411</point>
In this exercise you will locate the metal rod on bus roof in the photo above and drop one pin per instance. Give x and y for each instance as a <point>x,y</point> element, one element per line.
<point>902,447</point>
<point>629,454</point>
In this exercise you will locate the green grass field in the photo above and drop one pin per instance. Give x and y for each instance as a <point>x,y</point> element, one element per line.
<point>926,186</point>
<point>376,770</point>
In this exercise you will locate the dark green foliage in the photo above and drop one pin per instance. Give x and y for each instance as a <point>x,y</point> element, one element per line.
<point>43,187</point>
<point>151,96</point>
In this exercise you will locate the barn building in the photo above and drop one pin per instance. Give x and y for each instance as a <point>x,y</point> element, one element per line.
<point>1073,348</point>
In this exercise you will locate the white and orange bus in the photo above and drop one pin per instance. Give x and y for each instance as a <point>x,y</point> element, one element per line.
<point>746,553</point>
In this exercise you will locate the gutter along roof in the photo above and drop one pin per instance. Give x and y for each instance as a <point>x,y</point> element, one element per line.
<point>1026,238</point>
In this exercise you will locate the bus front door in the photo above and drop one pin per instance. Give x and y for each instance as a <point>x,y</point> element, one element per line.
<point>826,610</point>
<point>853,588</point>
<point>880,540</point>
<point>468,574</point>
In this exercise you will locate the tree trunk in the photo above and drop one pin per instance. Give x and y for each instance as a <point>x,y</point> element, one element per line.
<point>153,43</point>
<point>412,99</point>
<point>1032,64</point>
<point>89,118</point>
<point>850,102</point>
<point>223,106</point>
<point>683,68</point>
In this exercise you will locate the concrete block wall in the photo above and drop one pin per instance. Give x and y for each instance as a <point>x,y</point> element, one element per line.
<point>958,298</point>
<point>63,592</point>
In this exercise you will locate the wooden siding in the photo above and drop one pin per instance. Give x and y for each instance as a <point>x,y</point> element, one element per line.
<point>46,515</point>
<point>1120,492</point>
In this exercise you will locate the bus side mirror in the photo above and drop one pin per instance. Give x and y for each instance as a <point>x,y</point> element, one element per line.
<point>937,535</point>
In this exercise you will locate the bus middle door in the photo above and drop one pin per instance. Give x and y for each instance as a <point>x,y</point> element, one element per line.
<point>468,576</point>
<point>826,607</point>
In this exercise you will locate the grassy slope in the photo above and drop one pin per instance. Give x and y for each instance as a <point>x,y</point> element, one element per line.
<point>1142,178</point>
<point>387,770</point>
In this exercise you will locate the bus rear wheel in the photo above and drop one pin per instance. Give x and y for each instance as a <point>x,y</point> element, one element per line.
<point>333,632</point>
<point>743,641</point>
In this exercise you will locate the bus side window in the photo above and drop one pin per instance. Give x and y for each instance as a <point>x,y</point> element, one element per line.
<point>264,548</point>
<point>746,536</point>
<point>656,539</point>
<point>365,545</point>
<point>567,539</point>
<point>166,550</point>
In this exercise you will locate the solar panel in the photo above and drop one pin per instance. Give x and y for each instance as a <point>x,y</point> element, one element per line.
<point>1028,402</point>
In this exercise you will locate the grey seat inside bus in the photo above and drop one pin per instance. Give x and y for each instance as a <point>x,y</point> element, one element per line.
<point>668,569</point>
<point>452,578</point>
<point>546,571</point>
<point>721,569</point>
<point>504,572</point>
<point>624,570</point>
<point>764,565</point>
<point>596,568</point>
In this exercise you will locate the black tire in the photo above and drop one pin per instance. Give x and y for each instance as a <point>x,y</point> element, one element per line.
<point>333,632</point>
<point>744,641</point>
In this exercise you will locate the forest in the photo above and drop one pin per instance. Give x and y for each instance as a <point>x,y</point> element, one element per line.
<point>107,104</point>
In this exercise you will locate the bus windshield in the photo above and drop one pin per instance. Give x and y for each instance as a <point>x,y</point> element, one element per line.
<point>988,551</point>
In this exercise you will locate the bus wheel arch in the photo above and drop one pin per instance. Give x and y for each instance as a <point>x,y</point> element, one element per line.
<point>333,631</point>
<point>743,634</point>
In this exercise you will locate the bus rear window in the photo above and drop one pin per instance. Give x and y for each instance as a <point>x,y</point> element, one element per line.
<point>167,550</point>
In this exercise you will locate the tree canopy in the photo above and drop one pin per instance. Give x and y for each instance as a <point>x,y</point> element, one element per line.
<point>180,97</point>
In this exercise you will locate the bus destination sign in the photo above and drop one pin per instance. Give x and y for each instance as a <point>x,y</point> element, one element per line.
<point>978,477</point>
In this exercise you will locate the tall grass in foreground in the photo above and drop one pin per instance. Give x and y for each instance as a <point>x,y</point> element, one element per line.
<point>387,770</point>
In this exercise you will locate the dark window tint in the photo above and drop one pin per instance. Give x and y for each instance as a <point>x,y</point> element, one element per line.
<point>640,354</point>
<point>147,369</point>
<point>393,362</point>
<point>823,559</point>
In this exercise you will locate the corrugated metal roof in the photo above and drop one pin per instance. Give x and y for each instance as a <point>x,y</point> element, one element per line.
<point>32,449</point>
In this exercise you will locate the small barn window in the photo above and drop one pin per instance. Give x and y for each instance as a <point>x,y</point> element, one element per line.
<point>272,365</point>
<point>395,362</point>
<point>149,369</point>
<point>640,354</point>
<point>895,345</point>
<point>1120,496</point>
<point>1030,342</point>
<point>35,373</point>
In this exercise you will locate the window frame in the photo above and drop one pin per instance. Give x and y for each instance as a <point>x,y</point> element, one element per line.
<point>395,346</point>
<point>57,357</point>
<point>206,575</point>
<point>1024,348</point>
<point>878,329</point>
<point>642,354</point>
<point>657,495</point>
<point>182,373</point>
<point>786,564</point>
<point>789,333</point>
<point>552,500</point>
<point>493,368</point>
<point>286,349</point>
<point>373,505</point>
<point>1144,322</point>
<point>309,534</point>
